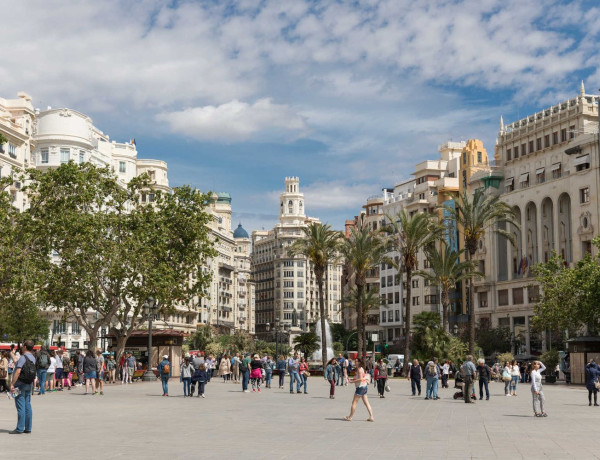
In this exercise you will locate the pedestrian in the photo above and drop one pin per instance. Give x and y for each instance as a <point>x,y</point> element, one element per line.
<point>269,367</point>
<point>245,369</point>
<point>397,365</point>
<point>68,366</point>
<point>235,368</point>
<point>485,374</point>
<point>164,371</point>
<point>592,371</point>
<point>100,369</point>
<point>468,371</point>
<point>42,363</point>
<point>4,372</point>
<point>445,373</point>
<point>515,375</point>
<point>210,366</point>
<point>111,366</point>
<point>21,387</point>
<point>51,371</point>
<point>330,376</point>
<point>293,366</point>
<point>80,374</point>
<point>361,381</point>
<point>304,374</point>
<point>339,370</point>
<point>506,378</point>
<point>281,366</point>
<point>415,375</point>
<point>536,388</point>
<point>90,367</point>
<point>197,361</point>
<point>225,368</point>
<point>58,371</point>
<point>381,377</point>
<point>430,375</point>
<point>130,366</point>
<point>256,366</point>
<point>187,370</point>
<point>200,377</point>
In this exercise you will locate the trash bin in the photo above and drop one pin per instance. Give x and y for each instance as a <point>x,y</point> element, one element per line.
<point>390,369</point>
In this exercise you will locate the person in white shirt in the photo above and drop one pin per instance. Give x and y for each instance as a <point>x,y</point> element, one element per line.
<point>445,374</point>
<point>50,372</point>
<point>536,388</point>
<point>515,375</point>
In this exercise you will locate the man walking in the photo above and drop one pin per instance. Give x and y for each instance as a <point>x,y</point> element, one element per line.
<point>130,366</point>
<point>21,386</point>
<point>415,374</point>
<point>164,370</point>
<point>245,370</point>
<point>293,365</point>
<point>339,370</point>
<point>468,371</point>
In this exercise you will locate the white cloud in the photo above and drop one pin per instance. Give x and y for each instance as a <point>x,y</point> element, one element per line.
<point>235,121</point>
<point>337,195</point>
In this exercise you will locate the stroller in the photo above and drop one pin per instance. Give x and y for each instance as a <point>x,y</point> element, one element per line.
<point>460,384</point>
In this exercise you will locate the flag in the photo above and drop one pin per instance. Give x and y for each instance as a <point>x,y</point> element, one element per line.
<point>132,141</point>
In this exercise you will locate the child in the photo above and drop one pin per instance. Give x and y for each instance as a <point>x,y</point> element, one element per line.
<point>200,376</point>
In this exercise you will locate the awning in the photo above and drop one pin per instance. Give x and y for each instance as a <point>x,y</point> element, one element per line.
<point>581,160</point>
<point>524,177</point>
<point>540,171</point>
<point>509,181</point>
<point>556,166</point>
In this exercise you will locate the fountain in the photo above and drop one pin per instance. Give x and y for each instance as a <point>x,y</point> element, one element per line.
<point>317,354</point>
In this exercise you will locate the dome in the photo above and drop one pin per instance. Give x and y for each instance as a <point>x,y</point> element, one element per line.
<point>240,232</point>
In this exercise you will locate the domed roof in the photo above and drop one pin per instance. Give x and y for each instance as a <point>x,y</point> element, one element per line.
<point>240,232</point>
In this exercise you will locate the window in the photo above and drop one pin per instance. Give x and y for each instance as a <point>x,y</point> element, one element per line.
<point>44,156</point>
<point>516,150</point>
<point>540,175</point>
<point>483,300</point>
<point>151,198</point>
<point>300,274</point>
<point>563,135</point>
<point>390,316</point>
<point>517,296</point>
<point>538,143</point>
<point>122,167</point>
<point>300,295</point>
<point>465,159</point>
<point>390,335</point>
<point>524,180</point>
<point>288,274</point>
<point>415,300</point>
<point>396,297</point>
<point>59,327</point>
<point>300,263</point>
<point>479,157</point>
<point>390,280</point>
<point>415,283</point>
<point>582,163</point>
<point>65,155</point>
<point>503,297</point>
<point>288,263</point>
<point>584,195</point>
<point>383,317</point>
<point>396,315</point>
<point>533,294</point>
<point>571,131</point>
<point>81,156</point>
<point>300,284</point>
<point>288,295</point>
<point>523,149</point>
<point>555,137</point>
<point>508,154</point>
<point>431,299</point>
<point>547,140</point>
<point>482,267</point>
<point>556,171</point>
<point>75,328</point>
<point>288,284</point>
<point>12,150</point>
<point>531,147</point>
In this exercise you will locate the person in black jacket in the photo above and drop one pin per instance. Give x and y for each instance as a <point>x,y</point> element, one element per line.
<point>415,374</point>
<point>485,374</point>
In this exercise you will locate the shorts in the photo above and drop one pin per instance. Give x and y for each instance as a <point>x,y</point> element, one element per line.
<point>90,375</point>
<point>361,391</point>
<point>58,373</point>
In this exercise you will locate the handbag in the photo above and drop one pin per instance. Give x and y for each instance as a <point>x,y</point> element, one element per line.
<point>387,388</point>
<point>506,376</point>
<point>306,373</point>
<point>597,385</point>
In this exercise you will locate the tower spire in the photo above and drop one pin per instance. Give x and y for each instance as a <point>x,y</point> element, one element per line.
<point>582,90</point>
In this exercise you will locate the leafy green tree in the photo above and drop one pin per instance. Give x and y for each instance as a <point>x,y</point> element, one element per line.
<point>446,270</point>
<point>111,251</point>
<point>200,338</point>
<point>320,246</point>
<point>363,251</point>
<point>308,343</point>
<point>408,236</point>
<point>493,340</point>
<point>474,216</point>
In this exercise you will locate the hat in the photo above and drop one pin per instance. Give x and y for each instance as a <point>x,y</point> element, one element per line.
<point>166,356</point>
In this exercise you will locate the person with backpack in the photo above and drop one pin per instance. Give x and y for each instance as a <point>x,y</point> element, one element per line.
<point>164,370</point>
<point>42,363</point>
<point>245,370</point>
<point>21,387</point>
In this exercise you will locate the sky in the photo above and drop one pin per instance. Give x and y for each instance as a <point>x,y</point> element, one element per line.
<point>347,95</point>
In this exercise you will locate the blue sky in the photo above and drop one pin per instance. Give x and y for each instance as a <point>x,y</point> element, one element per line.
<point>347,95</point>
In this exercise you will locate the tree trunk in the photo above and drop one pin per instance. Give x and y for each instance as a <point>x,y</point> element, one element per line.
<point>407,321</point>
<point>445,305</point>
<point>471,309</point>
<point>121,341</point>
<point>323,318</point>
<point>360,335</point>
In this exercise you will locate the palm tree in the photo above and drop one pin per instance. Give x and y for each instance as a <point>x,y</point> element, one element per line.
<point>446,270</point>
<point>307,343</point>
<point>369,300</point>
<point>408,236</point>
<point>474,215</point>
<point>363,251</point>
<point>320,246</point>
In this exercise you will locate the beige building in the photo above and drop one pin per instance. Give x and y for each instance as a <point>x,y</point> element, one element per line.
<point>549,164</point>
<point>286,288</point>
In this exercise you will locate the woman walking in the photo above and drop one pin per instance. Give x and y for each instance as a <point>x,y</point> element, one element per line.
<point>506,378</point>
<point>381,377</point>
<point>515,375</point>
<point>281,366</point>
<point>50,372</point>
<point>361,381</point>
<point>187,370</point>
<point>224,368</point>
<point>304,374</point>
<point>235,368</point>
<point>592,371</point>
<point>256,373</point>
<point>330,377</point>
<point>269,366</point>
<point>89,372</point>
<point>536,388</point>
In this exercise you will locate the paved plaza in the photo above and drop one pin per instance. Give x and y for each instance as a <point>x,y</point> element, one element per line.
<point>135,421</point>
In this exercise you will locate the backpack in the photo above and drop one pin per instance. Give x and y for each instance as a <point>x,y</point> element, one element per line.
<point>166,370</point>
<point>42,361</point>
<point>28,372</point>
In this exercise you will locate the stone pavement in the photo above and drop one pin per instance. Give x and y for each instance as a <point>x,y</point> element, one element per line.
<point>135,421</point>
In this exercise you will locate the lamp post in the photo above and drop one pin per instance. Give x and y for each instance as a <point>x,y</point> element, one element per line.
<point>150,308</point>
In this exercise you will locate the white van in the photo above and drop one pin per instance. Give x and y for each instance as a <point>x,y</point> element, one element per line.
<point>392,360</point>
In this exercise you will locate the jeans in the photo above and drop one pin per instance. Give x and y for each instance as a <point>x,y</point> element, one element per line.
<point>245,378</point>
<point>281,377</point>
<point>268,377</point>
<point>339,377</point>
<point>165,384</point>
<point>332,389</point>
<point>294,376</point>
<point>201,388</point>
<point>415,385</point>
<point>186,385</point>
<point>41,375</point>
<point>482,383</point>
<point>305,382</point>
<point>513,383</point>
<point>23,405</point>
<point>429,388</point>
<point>436,382</point>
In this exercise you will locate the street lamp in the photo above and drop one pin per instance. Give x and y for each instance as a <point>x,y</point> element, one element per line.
<point>150,309</point>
